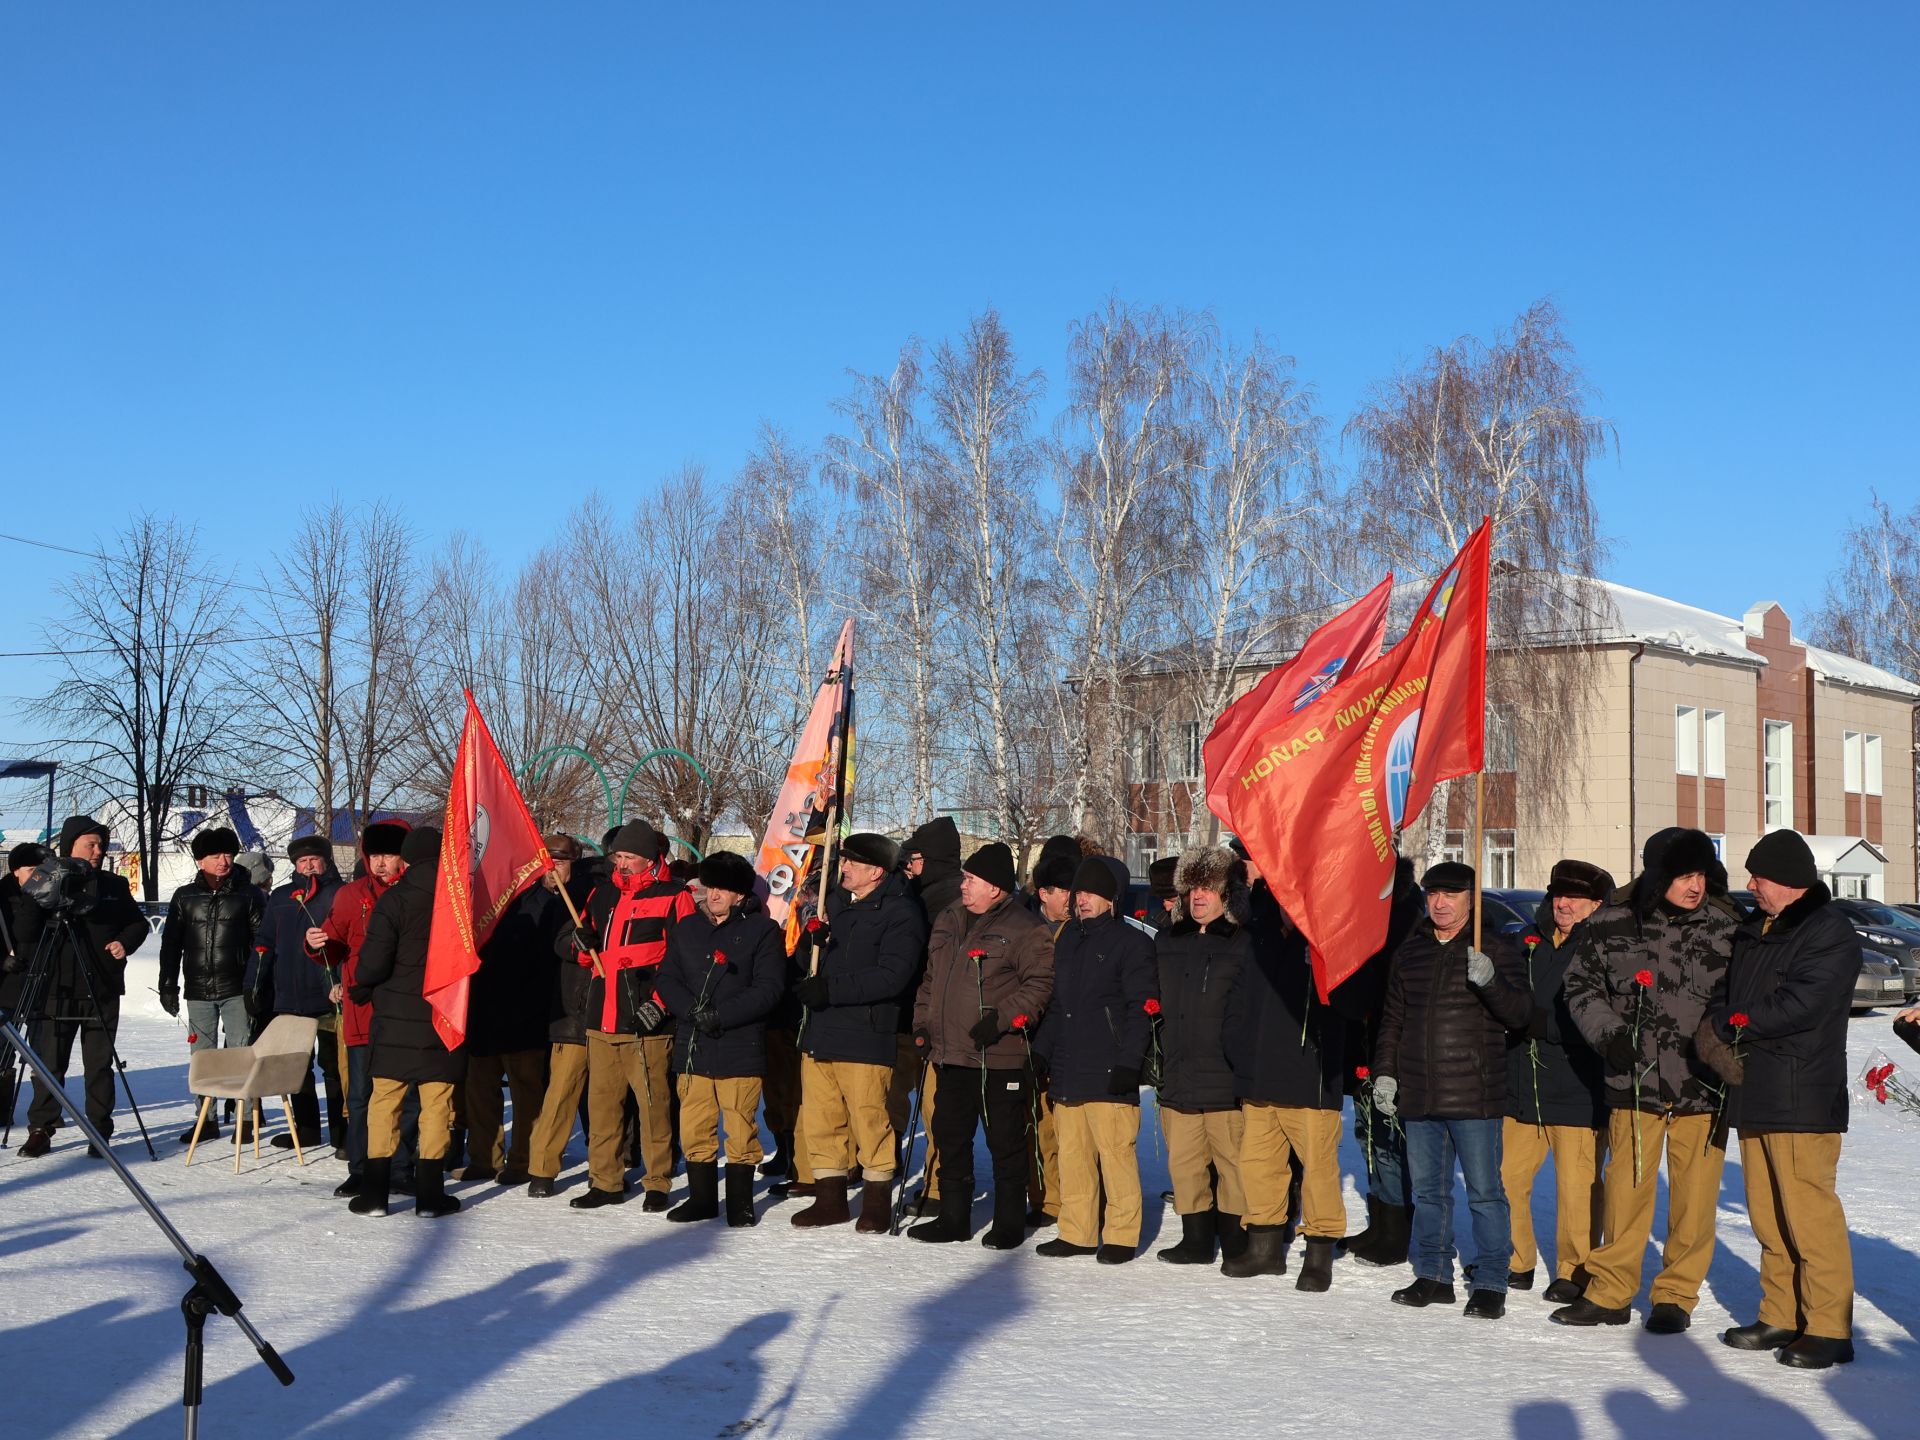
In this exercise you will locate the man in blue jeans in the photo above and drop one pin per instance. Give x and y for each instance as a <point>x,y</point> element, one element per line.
<point>1441,1067</point>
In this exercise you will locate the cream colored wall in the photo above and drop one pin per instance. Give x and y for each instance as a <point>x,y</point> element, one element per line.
<point>1838,709</point>
<point>1592,823</point>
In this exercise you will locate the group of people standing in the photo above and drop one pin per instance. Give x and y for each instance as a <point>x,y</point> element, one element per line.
<point>657,1004</point>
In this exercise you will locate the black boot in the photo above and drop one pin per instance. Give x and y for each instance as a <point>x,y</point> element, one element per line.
<point>1196,1241</point>
<point>1667,1318</point>
<point>347,1188</point>
<point>596,1199</point>
<point>1520,1279</point>
<point>829,1204</point>
<point>1583,1313</point>
<point>952,1223</point>
<point>375,1177</point>
<point>1063,1248</point>
<point>781,1161</point>
<point>703,1192</point>
<point>456,1156</point>
<point>1232,1235</point>
<point>739,1196</point>
<point>540,1187</point>
<point>1265,1253</point>
<point>1816,1352</point>
<point>430,1196</point>
<point>1422,1293</point>
<point>1486,1305</point>
<point>1316,1270</point>
<point>1348,1245</point>
<point>1009,1228</point>
<point>1759,1336</point>
<point>1563,1291</point>
<point>208,1131</point>
<point>1388,1244</point>
<point>1115,1254</point>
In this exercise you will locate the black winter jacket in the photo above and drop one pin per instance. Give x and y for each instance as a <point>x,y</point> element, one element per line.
<point>209,936</point>
<point>508,995</point>
<point>392,975</point>
<point>1443,1039</point>
<point>1285,1046</point>
<point>571,990</point>
<point>1794,983</point>
<point>1553,1075</point>
<point>737,969</point>
<point>109,914</point>
<point>1097,1022</point>
<point>1198,970</point>
<point>281,970</point>
<point>874,949</point>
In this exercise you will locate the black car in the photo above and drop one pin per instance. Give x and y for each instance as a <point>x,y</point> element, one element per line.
<point>1510,912</point>
<point>1891,931</point>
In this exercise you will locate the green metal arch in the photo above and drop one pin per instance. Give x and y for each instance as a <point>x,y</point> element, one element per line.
<point>538,766</point>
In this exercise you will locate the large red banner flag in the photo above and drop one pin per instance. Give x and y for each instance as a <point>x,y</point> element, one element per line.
<point>1336,651</point>
<point>490,852</point>
<point>1332,786</point>
<point>815,787</point>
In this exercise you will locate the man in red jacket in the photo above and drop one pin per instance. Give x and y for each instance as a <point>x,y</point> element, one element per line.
<point>336,944</point>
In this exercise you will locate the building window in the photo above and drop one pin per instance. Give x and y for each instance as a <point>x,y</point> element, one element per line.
<point>1142,851</point>
<point>1503,741</point>
<point>1719,847</point>
<point>1686,740</point>
<point>1777,771</point>
<point>1194,740</point>
<point>1850,887</point>
<point>1862,763</point>
<point>1851,756</point>
<point>1870,766</point>
<point>1146,754</point>
<point>1714,752</point>
<point>1454,851</point>
<point>1496,873</point>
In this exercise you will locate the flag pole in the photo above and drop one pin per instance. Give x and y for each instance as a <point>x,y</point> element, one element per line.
<point>1479,846</point>
<point>830,849</point>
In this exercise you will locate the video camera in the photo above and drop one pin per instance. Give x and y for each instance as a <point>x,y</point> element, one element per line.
<point>59,884</point>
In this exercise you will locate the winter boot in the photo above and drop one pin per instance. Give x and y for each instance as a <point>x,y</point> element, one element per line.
<point>1265,1254</point>
<point>511,1177</point>
<point>703,1193</point>
<point>1064,1249</point>
<point>1316,1270</point>
<point>1354,1244</point>
<point>1759,1336</point>
<point>1232,1234</point>
<point>1009,1228</point>
<point>375,1176</point>
<point>951,1224</point>
<point>479,1173</point>
<point>1816,1352</point>
<point>347,1188</point>
<point>1392,1232</point>
<point>208,1131</point>
<point>1115,1254</point>
<point>1583,1312</point>
<point>876,1207</point>
<point>596,1199</point>
<point>1196,1241</point>
<point>1520,1279</point>
<point>456,1156</point>
<point>739,1196</point>
<point>430,1196</point>
<point>309,1139</point>
<point>829,1204</point>
<point>798,1188</point>
<point>540,1187</point>
<point>653,1202</point>
<point>1667,1318</point>
<point>38,1143</point>
<point>1563,1292</point>
<point>1486,1305</point>
<point>1422,1293</point>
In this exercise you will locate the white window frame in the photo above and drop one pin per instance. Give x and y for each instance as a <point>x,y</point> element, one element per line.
<point>1195,761</point>
<point>1686,740</point>
<point>1872,775</point>
<point>1776,770</point>
<point>1713,746</point>
<point>1146,753</point>
<point>1852,749</point>
<point>1497,865</point>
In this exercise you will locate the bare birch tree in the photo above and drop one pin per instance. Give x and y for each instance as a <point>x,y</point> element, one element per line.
<point>1872,608</point>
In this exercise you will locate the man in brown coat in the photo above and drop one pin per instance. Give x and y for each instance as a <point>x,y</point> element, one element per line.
<point>989,976</point>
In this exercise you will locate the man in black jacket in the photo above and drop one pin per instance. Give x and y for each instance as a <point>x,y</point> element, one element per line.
<point>566,1016</point>
<point>283,980</point>
<point>207,942</point>
<point>107,927</point>
<point>930,860</point>
<point>1442,1066</point>
<point>1789,989</point>
<point>507,1035</point>
<point>1556,1095</point>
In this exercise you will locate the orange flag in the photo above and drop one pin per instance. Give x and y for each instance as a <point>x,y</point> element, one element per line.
<point>819,774</point>
<point>1330,788</point>
<point>490,851</point>
<point>1337,651</point>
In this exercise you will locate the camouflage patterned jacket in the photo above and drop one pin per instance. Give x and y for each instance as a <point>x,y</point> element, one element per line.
<point>1687,955</point>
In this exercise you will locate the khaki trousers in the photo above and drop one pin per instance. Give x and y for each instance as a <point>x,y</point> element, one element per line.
<point>703,1100</point>
<point>1580,1197</point>
<point>1273,1136</point>
<point>383,1118</point>
<point>1203,1158</point>
<point>1097,1139</point>
<point>525,1074</point>
<point>566,1078</point>
<point>1693,1192</point>
<point>1806,1259</point>
<point>617,1064</point>
<point>843,1105</point>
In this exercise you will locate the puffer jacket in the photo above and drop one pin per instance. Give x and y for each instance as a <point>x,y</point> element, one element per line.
<point>873,950</point>
<point>737,969</point>
<point>633,916</point>
<point>1285,1046</point>
<point>1553,1075</point>
<point>280,972</point>
<point>391,977</point>
<point>209,936</point>
<point>1686,954</point>
<point>1198,968</point>
<point>1443,1039</point>
<point>1096,1021</point>
<point>108,914</point>
<point>507,996</point>
<point>1793,980</point>
<point>1000,961</point>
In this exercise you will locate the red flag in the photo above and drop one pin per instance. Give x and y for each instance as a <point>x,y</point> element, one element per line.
<point>1330,788</point>
<point>490,851</point>
<point>1337,651</point>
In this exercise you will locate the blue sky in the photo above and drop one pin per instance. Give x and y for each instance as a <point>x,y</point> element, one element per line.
<point>484,258</point>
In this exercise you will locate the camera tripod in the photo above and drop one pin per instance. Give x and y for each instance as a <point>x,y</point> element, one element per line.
<point>30,1011</point>
<point>209,1291</point>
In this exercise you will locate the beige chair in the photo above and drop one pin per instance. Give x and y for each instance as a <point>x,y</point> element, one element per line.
<point>275,1064</point>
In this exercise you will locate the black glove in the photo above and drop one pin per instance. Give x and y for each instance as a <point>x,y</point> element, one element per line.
<point>922,1040</point>
<point>1909,1031</point>
<point>708,1021</point>
<point>648,1017</point>
<point>813,992</point>
<point>986,1029</point>
<point>1540,1024</point>
<point>1123,1080</point>
<point>584,938</point>
<point>259,1003</point>
<point>1620,1051</point>
<point>170,1002</point>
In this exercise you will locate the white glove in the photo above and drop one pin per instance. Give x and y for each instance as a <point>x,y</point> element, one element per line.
<point>1479,968</point>
<point>1385,1088</point>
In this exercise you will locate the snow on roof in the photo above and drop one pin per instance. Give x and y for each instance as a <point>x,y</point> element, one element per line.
<point>1830,850</point>
<point>1846,670</point>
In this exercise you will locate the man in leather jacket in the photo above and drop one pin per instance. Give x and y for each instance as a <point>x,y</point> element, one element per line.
<point>207,942</point>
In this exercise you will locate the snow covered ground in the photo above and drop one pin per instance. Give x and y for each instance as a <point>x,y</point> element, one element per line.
<point>522,1317</point>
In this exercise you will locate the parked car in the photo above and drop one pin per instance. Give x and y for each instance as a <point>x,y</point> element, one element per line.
<point>1881,981</point>
<point>1510,912</point>
<point>1889,930</point>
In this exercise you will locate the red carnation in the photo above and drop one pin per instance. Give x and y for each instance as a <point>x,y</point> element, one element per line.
<point>1152,1007</point>
<point>1878,1076</point>
<point>1643,978</point>
<point>192,1037</point>
<point>814,925</point>
<point>1531,940</point>
<point>976,956</point>
<point>1020,1022</point>
<point>1139,914</point>
<point>719,957</point>
<point>1738,1020</point>
<point>1361,1072</point>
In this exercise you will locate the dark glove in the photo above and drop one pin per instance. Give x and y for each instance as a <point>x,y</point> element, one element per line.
<point>986,1029</point>
<point>584,938</point>
<point>648,1017</point>
<point>170,1002</point>
<point>1620,1051</point>
<point>259,1003</point>
<point>1123,1080</point>
<point>922,1040</point>
<point>708,1021</point>
<point>1718,1055</point>
<point>813,992</point>
<point>1909,1031</point>
<point>1540,1024</point>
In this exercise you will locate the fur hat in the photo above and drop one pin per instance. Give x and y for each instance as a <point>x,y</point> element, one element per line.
<point>23,857</point>
<point>217,841</point>
<point>1054,872</point>
<point>384,837</point>
<point>1209,867</point>
<point>1095,876</point>
<point>1160,877</point>
<point>421,847</point>
<point>1578,878</point>
<point>993,863</point>
<point>724,870</point>
<point>315,845</point>
<point>870,849</point>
